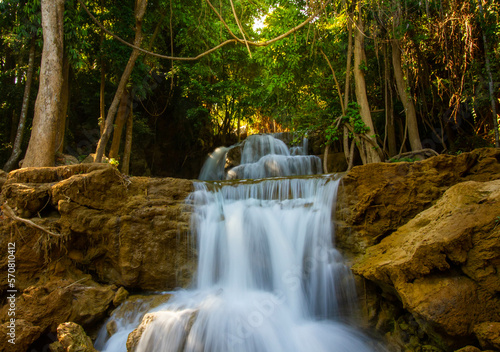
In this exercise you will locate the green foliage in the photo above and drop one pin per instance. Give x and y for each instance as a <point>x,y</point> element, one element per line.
<point>399,160</point>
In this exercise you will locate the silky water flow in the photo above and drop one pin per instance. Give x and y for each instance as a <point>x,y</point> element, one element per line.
<point>269,278</point>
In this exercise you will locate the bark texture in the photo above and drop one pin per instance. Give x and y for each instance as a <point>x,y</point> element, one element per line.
<point>42,145</point>
<point>410,112</point>
<point>368,154</point>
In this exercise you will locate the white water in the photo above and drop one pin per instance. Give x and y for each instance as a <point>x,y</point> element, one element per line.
<point>262,155</point>
<point>269,277</point>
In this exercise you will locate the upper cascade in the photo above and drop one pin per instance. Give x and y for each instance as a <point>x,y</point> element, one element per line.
<point>261,156</point>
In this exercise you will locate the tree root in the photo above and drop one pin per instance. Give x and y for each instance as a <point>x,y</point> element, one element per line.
<point>7,210</point>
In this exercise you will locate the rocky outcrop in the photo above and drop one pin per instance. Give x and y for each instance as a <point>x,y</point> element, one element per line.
<point>439,268</point>
<point>101,227</point>
<point>72,338</point>
<point>376,199</point>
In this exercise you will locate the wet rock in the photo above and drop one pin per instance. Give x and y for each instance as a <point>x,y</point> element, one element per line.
<point>151,336</point>
<point>120,296</point>
<point>72,338</point>
<point>135,336</point>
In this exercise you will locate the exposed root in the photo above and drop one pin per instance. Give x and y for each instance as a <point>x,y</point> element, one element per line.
<point>7,210</point>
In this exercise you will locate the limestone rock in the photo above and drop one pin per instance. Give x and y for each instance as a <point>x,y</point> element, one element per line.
<point>151,337</point>
<point>443,263</point>
<point>376,199</point>
<point>120,296</point>
<point>24,332</point>
<point>44,307</point>
<point>73,338</point>
<point>488,334</point>
<point>135,336</point>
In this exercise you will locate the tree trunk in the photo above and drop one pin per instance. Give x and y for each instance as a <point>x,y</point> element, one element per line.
<point>128,141</point>
<point>42,145</point>
<point>360,89</point>
<point>16,150</point>
<point>102,107</point>
<point>108,126</point>
<point>347,152</point>
<point>61,125</point>
<point>390,131</point>
<point>490,77</point>
<point>411,114</point>
<point>121,118</point>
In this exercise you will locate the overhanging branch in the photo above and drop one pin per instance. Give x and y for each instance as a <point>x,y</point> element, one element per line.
<point>229,41</point>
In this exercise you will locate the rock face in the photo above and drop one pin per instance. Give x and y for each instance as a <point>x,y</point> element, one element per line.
<point>376,199</point>
<point>106,228</point>
<point>435,267</point>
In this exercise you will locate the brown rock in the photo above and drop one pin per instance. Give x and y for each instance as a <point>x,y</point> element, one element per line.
<point>73,338</point>
<point>23,334</point>
<point>135,336</point>
<point>423,262</point>
<point>469,349</point>
<point>44,307</point>
<point>120,296</point>
<point>488,334</point>
<point>376,199</point>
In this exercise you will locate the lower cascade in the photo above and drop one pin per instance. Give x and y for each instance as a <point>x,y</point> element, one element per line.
<point>269,277</point>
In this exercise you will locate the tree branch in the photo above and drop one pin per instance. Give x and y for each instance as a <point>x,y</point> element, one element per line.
<point>7,210</point>
<point>229,41</point>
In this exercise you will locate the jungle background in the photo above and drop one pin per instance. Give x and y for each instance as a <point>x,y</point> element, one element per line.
<point>374,79</point>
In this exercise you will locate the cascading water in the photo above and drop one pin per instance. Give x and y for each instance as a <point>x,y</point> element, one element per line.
<point>262,155</point>
<point>269,277</point>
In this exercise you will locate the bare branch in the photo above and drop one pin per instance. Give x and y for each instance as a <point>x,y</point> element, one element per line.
<point>240,27</point>
<point>7,210</point>
<point>229,41</point>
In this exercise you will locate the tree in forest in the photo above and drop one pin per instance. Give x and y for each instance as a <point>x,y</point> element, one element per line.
<point>369,145</point>
<point>42,144</point>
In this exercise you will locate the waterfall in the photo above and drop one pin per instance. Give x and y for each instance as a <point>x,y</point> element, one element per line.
<point>262,155</point>
<point>269,277</point>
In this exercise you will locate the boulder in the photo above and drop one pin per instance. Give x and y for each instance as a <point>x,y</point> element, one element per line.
<point>442,264</point>
<point>488,334</point>
<point>44,307</point>
<point>129,231</point>
<point>72,338</point>
<point>25,333</point>
<point>376,199</point>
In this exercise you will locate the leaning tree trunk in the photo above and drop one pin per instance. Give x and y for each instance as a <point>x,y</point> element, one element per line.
<point>42,144</point>
<point>411,114</point>
<point>390,131</point>
<point>108,126</point>
<point>372,155</point>
<point>121,118</point>
<point>16,150</point>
